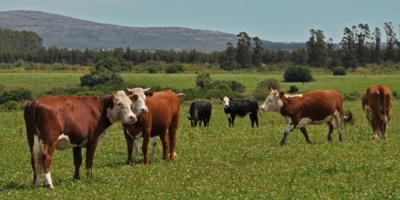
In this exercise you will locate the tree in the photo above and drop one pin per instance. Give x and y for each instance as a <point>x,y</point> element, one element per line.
<point>348,45</point>
<point>363,36</point>
<point>391,40</point>
<point>316,48</point>
<point>376,56</point>
<point>228,58</point>
<point>257,51</point>
<point>243,53</point>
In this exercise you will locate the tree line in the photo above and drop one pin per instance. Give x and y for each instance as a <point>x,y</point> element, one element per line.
<point>359,46</point>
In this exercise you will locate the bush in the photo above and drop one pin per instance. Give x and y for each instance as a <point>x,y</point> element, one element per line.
<point>293,89</point>
<point>339,71</point>
<point>262,87</point>
<point>298,74</point>
<point>17,95</point>
<point>174,68</point>
<point>10,106</point>
<point>101,77</point>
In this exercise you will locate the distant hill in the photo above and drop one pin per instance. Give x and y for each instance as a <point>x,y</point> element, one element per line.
<point>66,32</point>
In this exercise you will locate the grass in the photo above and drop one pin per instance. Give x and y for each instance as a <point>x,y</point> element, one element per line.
<point>221,162</point>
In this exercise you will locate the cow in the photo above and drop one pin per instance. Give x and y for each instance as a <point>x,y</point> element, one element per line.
<point>200,111</point>
<point>62,122</point>
<point>161,119</point>
<point>315,107</point>
<point>376,103</point>
<point>241,108</point>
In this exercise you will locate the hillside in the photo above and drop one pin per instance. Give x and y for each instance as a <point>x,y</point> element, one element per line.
<point>66,32</point>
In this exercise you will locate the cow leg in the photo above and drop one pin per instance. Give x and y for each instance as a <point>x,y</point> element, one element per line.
<point>233,120</point>
<point>145,145</point>
<point>288,129</point>
<point>304,131</point>
<point>375,128</point>
<point>77,152</point>
<point>339,126</point>
<point>164,142</point>
<point>330,128</point>
<point>91,148</point>
<point>172,139</point>
<point>48,152</point>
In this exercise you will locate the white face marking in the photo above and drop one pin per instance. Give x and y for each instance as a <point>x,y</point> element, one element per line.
<point>121,110</point>
<point>225,102</point>
<point>272,102</point>
<point>139,105</point>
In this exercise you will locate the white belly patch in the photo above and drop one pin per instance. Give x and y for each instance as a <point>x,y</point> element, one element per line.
<point>64,143</point>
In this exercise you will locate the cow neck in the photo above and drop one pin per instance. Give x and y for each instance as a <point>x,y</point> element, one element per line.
<point>107,102</point>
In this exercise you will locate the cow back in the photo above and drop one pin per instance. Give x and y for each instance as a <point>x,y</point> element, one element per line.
<point>314,105</point>
<point>163,112</point>
<point>242,107</point>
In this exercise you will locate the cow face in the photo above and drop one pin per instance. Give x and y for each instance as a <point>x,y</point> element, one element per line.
<point>273,101</point>
<point>121,110</point>
<point>225,101</point>
<point>138,97</point>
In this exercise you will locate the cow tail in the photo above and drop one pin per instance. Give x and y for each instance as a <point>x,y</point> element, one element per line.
<point>383,103</point>
<point>33,138</point>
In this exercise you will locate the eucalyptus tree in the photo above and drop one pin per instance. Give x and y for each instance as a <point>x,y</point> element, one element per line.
<point>376,56</point>
<point>348,46</point>
<point>316,48</point>
<point>391,40</point>
<point>257,51</point>
<point>363,36</point>
<point>243,53</point>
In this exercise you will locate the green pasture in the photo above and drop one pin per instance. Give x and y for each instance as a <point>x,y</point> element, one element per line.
<point>217,162</point>
<point>40,82</point>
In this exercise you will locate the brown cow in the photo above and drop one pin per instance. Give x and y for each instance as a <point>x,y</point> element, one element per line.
<point>376,103</point>
<point>310,108</point>
<point>62,122</point>
<point>162,118</point>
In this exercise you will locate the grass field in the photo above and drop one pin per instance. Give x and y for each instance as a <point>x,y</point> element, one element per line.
<point>219,162</point>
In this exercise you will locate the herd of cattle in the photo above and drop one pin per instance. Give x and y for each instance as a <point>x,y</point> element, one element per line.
<point>62,122</point>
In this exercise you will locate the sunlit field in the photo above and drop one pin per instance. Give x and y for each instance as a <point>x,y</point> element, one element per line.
<point>218,162</point>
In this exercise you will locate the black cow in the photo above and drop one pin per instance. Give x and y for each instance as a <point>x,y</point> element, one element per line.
<point>241,108</point>
<point>200,111</point>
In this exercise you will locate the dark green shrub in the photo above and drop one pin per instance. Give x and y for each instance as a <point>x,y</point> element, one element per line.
<point>18,95</point>
<point>101,77</point>
<point>339,71</point>
<point>264,87</point>
<point>174,68</point>
<point>10,106</point>
<point>293,89</point>
<point>298,74</point>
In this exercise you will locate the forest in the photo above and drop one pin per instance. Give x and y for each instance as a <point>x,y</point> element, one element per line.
<point>359,47</point>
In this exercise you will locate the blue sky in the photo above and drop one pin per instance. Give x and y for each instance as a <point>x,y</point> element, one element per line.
<point>274,20</point>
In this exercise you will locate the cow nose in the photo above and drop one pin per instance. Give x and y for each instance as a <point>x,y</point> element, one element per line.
<point>144,110</point>
<point>133,119</point>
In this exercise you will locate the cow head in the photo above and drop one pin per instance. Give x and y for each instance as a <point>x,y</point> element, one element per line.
<point>225,101</point>
<point>121,110</point>
<point>273,101</point>
<point>138,96</point>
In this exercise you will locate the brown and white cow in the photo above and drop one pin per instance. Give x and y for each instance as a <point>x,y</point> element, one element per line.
<point>161,119</point>
<point>62,122</point>
<point>310,108</point>
<point>376,103</point>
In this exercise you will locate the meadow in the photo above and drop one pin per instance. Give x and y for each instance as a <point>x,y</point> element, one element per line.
<point>217,162</point>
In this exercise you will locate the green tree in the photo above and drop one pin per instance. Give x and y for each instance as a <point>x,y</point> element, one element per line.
<point>257,51</point>
<point>298,74</point>
<point>348,44</point>
<point>376,56</point>
<point>391,40</point>
<point>243,53</point>
<point>228,58</point>
<point>363,44</point>
<point>316,48</point>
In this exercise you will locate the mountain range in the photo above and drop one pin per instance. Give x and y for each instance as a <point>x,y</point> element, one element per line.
<point>71,33</point>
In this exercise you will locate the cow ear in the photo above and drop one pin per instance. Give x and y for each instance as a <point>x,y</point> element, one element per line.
<point>230,99</point>
<point>133,97</point>
<point>148,93</point>
<point>281,94</point>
